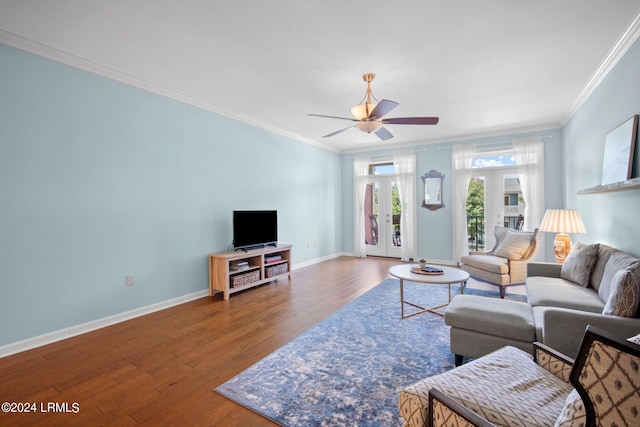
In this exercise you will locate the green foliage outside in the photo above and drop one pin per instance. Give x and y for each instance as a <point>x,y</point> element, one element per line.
<point>475,208</point>
<point>396,207</point>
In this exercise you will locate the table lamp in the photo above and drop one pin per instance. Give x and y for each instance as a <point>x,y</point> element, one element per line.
<point>562,222</point>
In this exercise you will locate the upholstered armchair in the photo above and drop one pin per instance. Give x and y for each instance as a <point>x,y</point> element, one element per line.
<point>507,388</point>
<point>506,263</point>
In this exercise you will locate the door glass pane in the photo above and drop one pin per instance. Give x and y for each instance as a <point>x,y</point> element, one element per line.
<point>371,211</point>
<point>396,212</point>
<point>513,202</point>
<point>475,214</point>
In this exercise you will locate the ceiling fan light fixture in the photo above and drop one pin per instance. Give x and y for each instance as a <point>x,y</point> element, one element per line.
<point>362,111</point>
<point>369,126</point>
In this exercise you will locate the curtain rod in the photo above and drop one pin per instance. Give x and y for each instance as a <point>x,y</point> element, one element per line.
<point>496,143</point>
<point>447,147</point>
<point>382,156</point>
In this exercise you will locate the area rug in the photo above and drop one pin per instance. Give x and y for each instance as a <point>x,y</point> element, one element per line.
<point>348,369</point>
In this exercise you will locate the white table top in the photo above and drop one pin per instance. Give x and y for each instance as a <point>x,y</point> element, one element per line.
<point>451,275</point>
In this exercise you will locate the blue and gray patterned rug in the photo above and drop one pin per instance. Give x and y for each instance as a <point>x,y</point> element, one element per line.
<point>348,369</point>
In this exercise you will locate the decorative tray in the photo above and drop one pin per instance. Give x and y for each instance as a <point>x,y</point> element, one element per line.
<point>428,270</point>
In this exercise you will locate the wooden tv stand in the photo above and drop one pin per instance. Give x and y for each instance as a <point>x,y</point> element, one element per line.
<point>223,278</point>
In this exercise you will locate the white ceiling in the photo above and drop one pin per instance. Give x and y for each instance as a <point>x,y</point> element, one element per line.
<point>484,67</point>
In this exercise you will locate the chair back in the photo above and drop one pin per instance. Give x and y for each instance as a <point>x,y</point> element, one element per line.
<point>501,233</point>
<point>606,374</point>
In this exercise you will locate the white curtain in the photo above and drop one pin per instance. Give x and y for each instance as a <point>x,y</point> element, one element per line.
<point>360,174</point>
<point>529,157</point>
<point>404,165</point>
<point>462,160</point>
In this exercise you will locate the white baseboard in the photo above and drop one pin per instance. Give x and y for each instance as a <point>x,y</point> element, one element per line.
<point>317,260</point>
<point>72,331</point>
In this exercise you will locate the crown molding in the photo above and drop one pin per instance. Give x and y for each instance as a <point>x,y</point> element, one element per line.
<point>625,42</point>
<point>57,55</point>
<point>456,139</point>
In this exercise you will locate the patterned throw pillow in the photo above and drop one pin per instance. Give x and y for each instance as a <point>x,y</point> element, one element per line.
<point>579,263</point>
<point>635,339</point>
<point>616,262</point>
<point>623,295</point>
<point>573,413</point>
<point>514,246</point>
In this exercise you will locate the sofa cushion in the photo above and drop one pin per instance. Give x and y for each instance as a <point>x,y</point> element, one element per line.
<point>515,245</point>
<point>617,261</point>
<point>492,316</point>
<point>573,414</point>
<point>490,263</point>
<point>623,296</point>
<point>527,395</point>
<point>554,292</point>
<point>579,263</point>
<point>604,252</point>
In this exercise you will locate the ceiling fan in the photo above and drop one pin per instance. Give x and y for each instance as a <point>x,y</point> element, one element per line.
<point>368,115</point>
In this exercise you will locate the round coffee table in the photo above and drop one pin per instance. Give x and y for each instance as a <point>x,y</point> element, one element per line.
<point>450,275</point>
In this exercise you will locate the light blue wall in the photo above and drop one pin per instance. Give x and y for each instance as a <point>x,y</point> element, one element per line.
<point>609,217</point>
<point>434,227</point>
<point>99,180</point>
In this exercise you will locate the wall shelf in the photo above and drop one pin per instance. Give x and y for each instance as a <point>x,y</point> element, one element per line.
<point>630,184</point>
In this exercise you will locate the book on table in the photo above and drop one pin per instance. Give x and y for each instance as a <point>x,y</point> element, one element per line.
<point>270,259</point>
<point>239,265</point>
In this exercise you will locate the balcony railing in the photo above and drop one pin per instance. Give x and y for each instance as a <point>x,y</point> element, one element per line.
<point>475,231</point>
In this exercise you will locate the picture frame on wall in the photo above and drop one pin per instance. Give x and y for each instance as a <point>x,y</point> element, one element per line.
<point>618,152</point>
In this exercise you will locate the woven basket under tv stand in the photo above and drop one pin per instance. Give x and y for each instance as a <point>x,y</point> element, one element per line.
<point>222,278</point>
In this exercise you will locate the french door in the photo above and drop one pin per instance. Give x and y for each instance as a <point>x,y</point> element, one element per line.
<point>382,210</point>
<point>499,200</point>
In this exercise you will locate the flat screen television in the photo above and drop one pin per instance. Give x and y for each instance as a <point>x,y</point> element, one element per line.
<point>254,229</point>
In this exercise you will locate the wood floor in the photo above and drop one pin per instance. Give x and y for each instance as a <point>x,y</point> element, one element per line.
<point>161,369</point>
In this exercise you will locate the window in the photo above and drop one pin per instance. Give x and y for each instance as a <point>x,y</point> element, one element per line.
<point>494,198</point>
<point>381,169</point>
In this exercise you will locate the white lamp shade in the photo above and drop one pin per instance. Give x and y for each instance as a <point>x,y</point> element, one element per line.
<point>562,221</point>
<point>369,126</point>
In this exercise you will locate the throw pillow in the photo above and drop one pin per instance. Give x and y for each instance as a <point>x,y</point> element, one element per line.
<point>573,413</point>
<point>617,261</point>
<point>579,263</point>
<point>623,296</point>
<point>514,246</point>
<point>635,339</point>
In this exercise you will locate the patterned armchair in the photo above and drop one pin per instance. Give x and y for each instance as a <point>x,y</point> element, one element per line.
<point>506,263</point>
<point>606,377</point>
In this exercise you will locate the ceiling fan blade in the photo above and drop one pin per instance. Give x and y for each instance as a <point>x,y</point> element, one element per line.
<point>382,108</point>
<point>338,131</point>
<point>332,117</point>
<point>412,121</point>
<point>384,134</point>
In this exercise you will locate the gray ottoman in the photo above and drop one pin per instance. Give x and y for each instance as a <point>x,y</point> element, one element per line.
<point>480,325</point>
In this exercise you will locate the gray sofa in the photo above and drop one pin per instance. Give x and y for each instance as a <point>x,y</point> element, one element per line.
<point>597,285</point>
<point>562,308</point>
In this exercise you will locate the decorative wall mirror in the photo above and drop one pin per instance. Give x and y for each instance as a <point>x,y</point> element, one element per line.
<point>432,190</point>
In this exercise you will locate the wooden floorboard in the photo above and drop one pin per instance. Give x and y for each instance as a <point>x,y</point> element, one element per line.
<point>161,369</point>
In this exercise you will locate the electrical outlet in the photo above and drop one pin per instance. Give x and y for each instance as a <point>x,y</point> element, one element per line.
<point>129,280</point>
